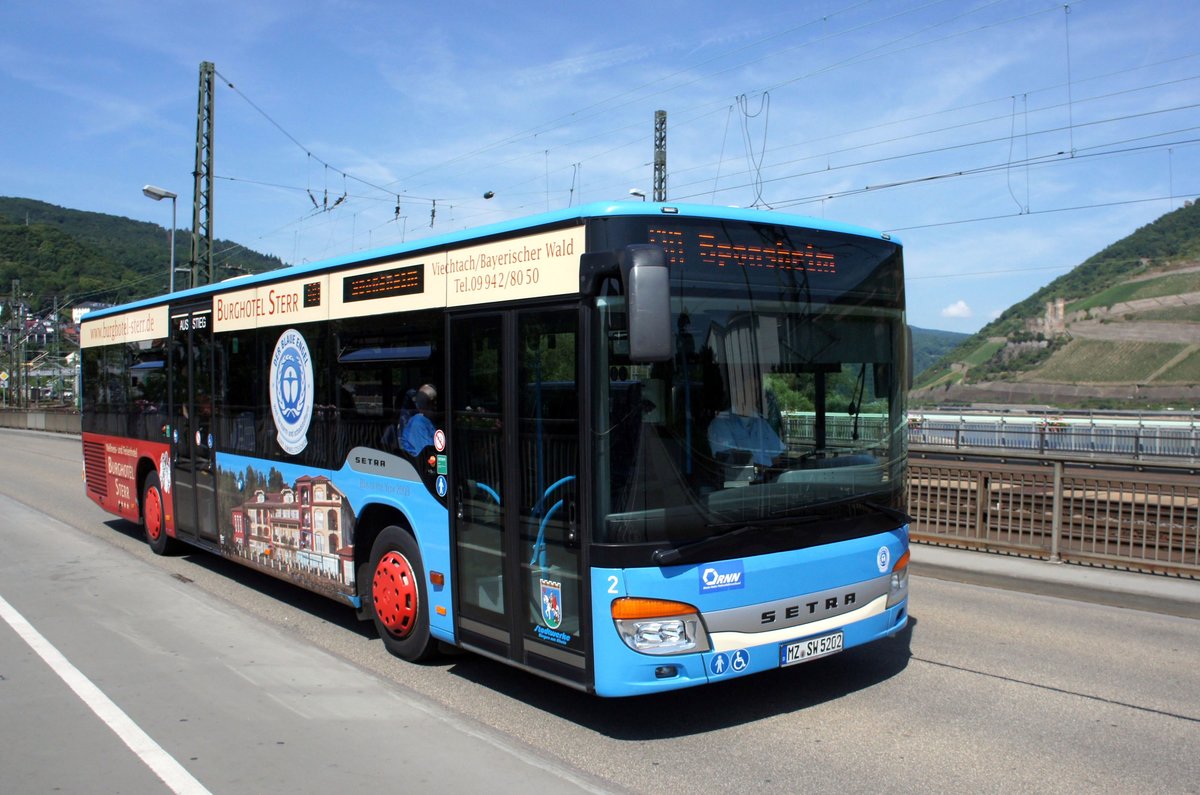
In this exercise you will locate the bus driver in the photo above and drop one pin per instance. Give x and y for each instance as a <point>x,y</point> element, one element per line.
<point>750,433</point>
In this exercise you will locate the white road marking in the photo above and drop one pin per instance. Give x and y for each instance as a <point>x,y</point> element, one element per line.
<point>173,774</point>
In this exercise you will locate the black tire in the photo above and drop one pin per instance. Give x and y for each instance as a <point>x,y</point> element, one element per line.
<point>397,596</point>
<point>154,517</point>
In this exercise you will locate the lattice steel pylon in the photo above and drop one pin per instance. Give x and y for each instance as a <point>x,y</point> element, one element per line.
<point>660,155</point>
<point>202,195</point>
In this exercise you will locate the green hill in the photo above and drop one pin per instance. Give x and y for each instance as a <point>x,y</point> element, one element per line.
<point>930,345</point>
<point>75,256</point>
<point>1122,327</point>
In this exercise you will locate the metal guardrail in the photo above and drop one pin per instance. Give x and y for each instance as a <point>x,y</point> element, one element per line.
<point>1127,519</point>
<point>1141,521</point>
<point>1094,437</point>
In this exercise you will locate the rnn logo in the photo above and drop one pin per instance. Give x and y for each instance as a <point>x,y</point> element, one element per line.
<point>722,577</point>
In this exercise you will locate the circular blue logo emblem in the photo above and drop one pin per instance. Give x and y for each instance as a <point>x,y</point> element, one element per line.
<point>291,391</point>
<point>883,558</point>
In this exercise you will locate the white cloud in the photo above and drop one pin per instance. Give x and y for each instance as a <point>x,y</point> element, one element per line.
<point>958,309</point>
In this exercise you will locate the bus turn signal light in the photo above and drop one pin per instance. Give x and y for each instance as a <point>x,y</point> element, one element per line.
<point>631,607</point>
<point>898,587</point>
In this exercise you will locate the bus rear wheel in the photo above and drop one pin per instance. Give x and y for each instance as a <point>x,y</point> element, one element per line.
<point>154,517</point>
<point>397,596</point>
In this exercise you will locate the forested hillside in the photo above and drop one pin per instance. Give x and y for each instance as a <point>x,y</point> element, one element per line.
<point>930,345</point>
<point>76,256</point>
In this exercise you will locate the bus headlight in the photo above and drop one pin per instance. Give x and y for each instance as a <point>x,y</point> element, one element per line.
<point>898,589</point>
<point>659,626</point>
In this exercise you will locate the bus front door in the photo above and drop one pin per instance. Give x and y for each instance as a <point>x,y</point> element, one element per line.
<point>514,412</point>
<point>194,477</point>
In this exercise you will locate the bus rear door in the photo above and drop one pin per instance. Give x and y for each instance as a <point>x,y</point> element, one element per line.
<point>194,480</point>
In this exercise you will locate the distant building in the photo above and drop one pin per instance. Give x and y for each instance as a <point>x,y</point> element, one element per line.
<point>1053,323</point>
<point>83,307</point>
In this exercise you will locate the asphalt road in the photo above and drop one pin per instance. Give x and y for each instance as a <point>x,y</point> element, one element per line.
<point>247,684</point>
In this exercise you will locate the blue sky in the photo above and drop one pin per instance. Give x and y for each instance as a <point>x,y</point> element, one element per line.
<point>1003,141</point>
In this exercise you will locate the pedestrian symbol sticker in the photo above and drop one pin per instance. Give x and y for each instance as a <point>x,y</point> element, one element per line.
<point>723,663</point>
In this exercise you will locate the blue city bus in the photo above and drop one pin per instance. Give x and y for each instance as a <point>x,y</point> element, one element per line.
<point>560,442</point>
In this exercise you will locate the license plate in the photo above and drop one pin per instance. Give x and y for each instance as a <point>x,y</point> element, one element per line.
<point>799,651</point>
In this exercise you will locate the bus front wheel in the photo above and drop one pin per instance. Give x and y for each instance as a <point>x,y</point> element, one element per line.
<point>154,517</point>
<point>397,596</point>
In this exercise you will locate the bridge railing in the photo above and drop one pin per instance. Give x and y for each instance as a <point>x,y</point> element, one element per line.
<point>1147,521</point>
<point>1127,438</point>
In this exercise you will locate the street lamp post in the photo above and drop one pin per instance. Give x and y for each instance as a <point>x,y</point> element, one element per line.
<point>158,194</point>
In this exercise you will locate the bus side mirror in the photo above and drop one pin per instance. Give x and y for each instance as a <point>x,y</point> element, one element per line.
<point>648,295</point>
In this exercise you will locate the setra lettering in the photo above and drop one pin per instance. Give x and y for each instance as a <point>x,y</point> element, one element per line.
<point>793,612</point>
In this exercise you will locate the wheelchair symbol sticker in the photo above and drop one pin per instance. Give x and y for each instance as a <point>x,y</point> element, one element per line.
<point>721,662</point>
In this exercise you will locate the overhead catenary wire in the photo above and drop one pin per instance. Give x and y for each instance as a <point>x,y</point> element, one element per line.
<point>822,70</point>
<point>673,82</point>
<point>574,115</point>
<point>826,154</point>
<point>305,149</point>
<point>959,146</point>
<point>1041,160</point>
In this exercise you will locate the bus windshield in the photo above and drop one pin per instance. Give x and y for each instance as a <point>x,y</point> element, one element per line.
<point>782,407</point>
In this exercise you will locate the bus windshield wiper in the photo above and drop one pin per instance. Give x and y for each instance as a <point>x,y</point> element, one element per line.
<point>666,557</point>
<point>818,507</point>
<point>815,509</point>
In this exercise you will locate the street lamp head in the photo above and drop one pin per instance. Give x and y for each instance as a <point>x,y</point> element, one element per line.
<point>637,192</point>
<point>157,193</point>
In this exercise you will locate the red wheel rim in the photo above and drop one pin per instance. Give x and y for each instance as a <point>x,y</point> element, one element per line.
<point>394,591</point>
<point>154,514</point>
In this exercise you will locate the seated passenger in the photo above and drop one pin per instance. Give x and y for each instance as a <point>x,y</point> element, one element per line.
<point>418,431</point>
<point>395,432</point>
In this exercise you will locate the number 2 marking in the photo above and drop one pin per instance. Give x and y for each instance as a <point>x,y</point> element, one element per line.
<point>612,583</point>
